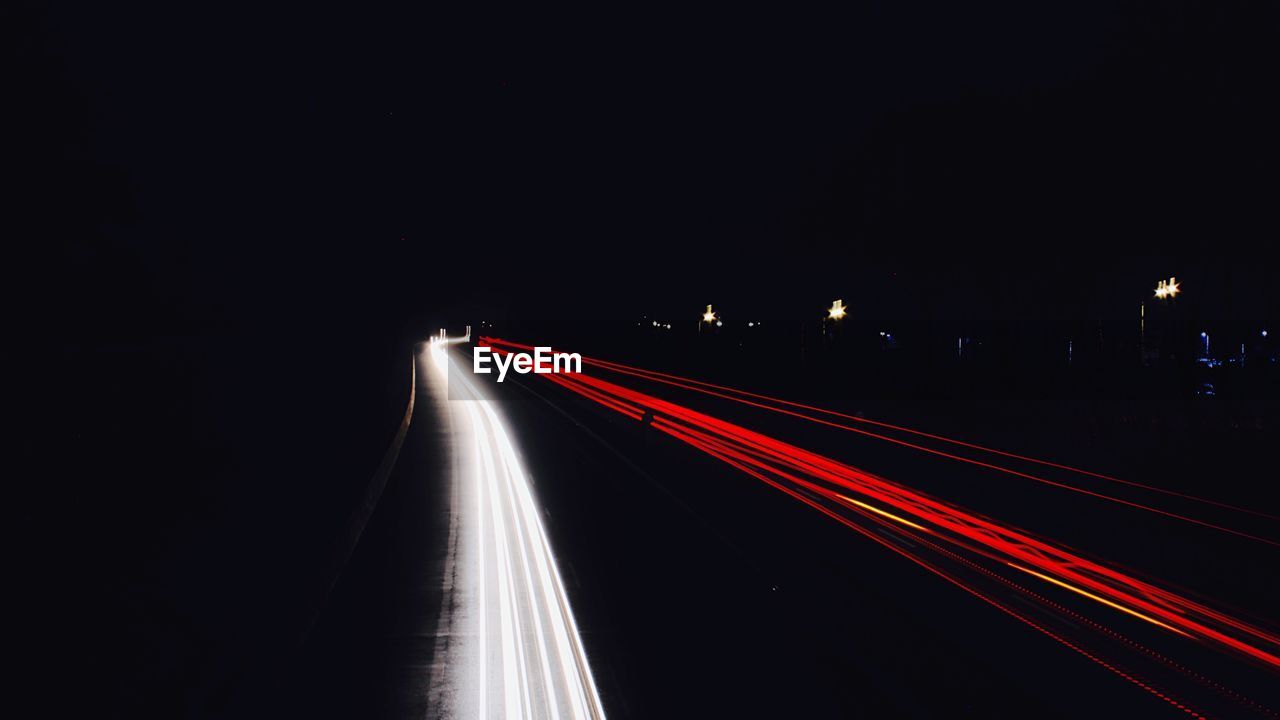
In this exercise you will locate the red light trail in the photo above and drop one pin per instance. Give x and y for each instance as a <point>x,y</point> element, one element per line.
<point>943,534</point>
<point>782,406</point>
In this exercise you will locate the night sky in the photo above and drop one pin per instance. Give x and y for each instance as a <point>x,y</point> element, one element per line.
<point>243,161</point>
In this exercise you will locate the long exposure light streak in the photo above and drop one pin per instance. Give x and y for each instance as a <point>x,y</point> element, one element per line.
<point>942,573</point>
<point>522,654</point>
<point>794,409</point>
<point>976,542</point>
<point>1095,598</point>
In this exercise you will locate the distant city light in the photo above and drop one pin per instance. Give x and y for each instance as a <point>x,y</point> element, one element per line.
<point>1167,288</point>
<point>718,323</point>
<point>709,316</point>
<point>1264,333</point>
<point>751,324</point>
<point>836,311</point>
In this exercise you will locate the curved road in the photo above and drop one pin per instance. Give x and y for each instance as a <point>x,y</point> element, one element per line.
<point>508,645</point>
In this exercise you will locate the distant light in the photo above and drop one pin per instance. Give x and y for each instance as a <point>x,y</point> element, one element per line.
<point>1167,288</point>
<point>655,323</point>
<point>718,323</point>
<point>836,311</point>
<point>709,316</point>
<point>668,326</point>
<point>1204,334</point>
<point>1264,333</point>
<point>751,324</point>
<point>882,334</point>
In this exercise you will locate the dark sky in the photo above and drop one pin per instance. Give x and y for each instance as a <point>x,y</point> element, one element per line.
<point>243,161</point>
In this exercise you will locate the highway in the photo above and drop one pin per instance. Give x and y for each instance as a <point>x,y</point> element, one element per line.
<point>543,550</point>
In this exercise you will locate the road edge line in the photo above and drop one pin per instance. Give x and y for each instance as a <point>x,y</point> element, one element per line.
<point>356,523</point>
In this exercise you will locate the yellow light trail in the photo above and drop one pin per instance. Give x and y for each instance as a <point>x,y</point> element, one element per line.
<point>1102,600</point>
<point>884,513</point>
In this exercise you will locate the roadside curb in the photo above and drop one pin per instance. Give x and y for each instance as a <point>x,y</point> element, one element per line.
<point>356,523</point>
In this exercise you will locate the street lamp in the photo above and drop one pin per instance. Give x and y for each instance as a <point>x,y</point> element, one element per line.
<point>709,316</point>
<point>836,311</point>
<point>1167,288</point>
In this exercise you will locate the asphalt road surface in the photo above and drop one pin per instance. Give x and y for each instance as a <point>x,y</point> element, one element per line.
<point>624,573</point>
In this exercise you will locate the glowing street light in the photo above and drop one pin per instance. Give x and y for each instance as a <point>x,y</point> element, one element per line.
<point>1167,288</point>
<point>836,311</point>
<point>709,316</point>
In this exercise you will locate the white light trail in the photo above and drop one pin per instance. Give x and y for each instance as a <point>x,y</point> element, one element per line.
<point>516,650</point>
